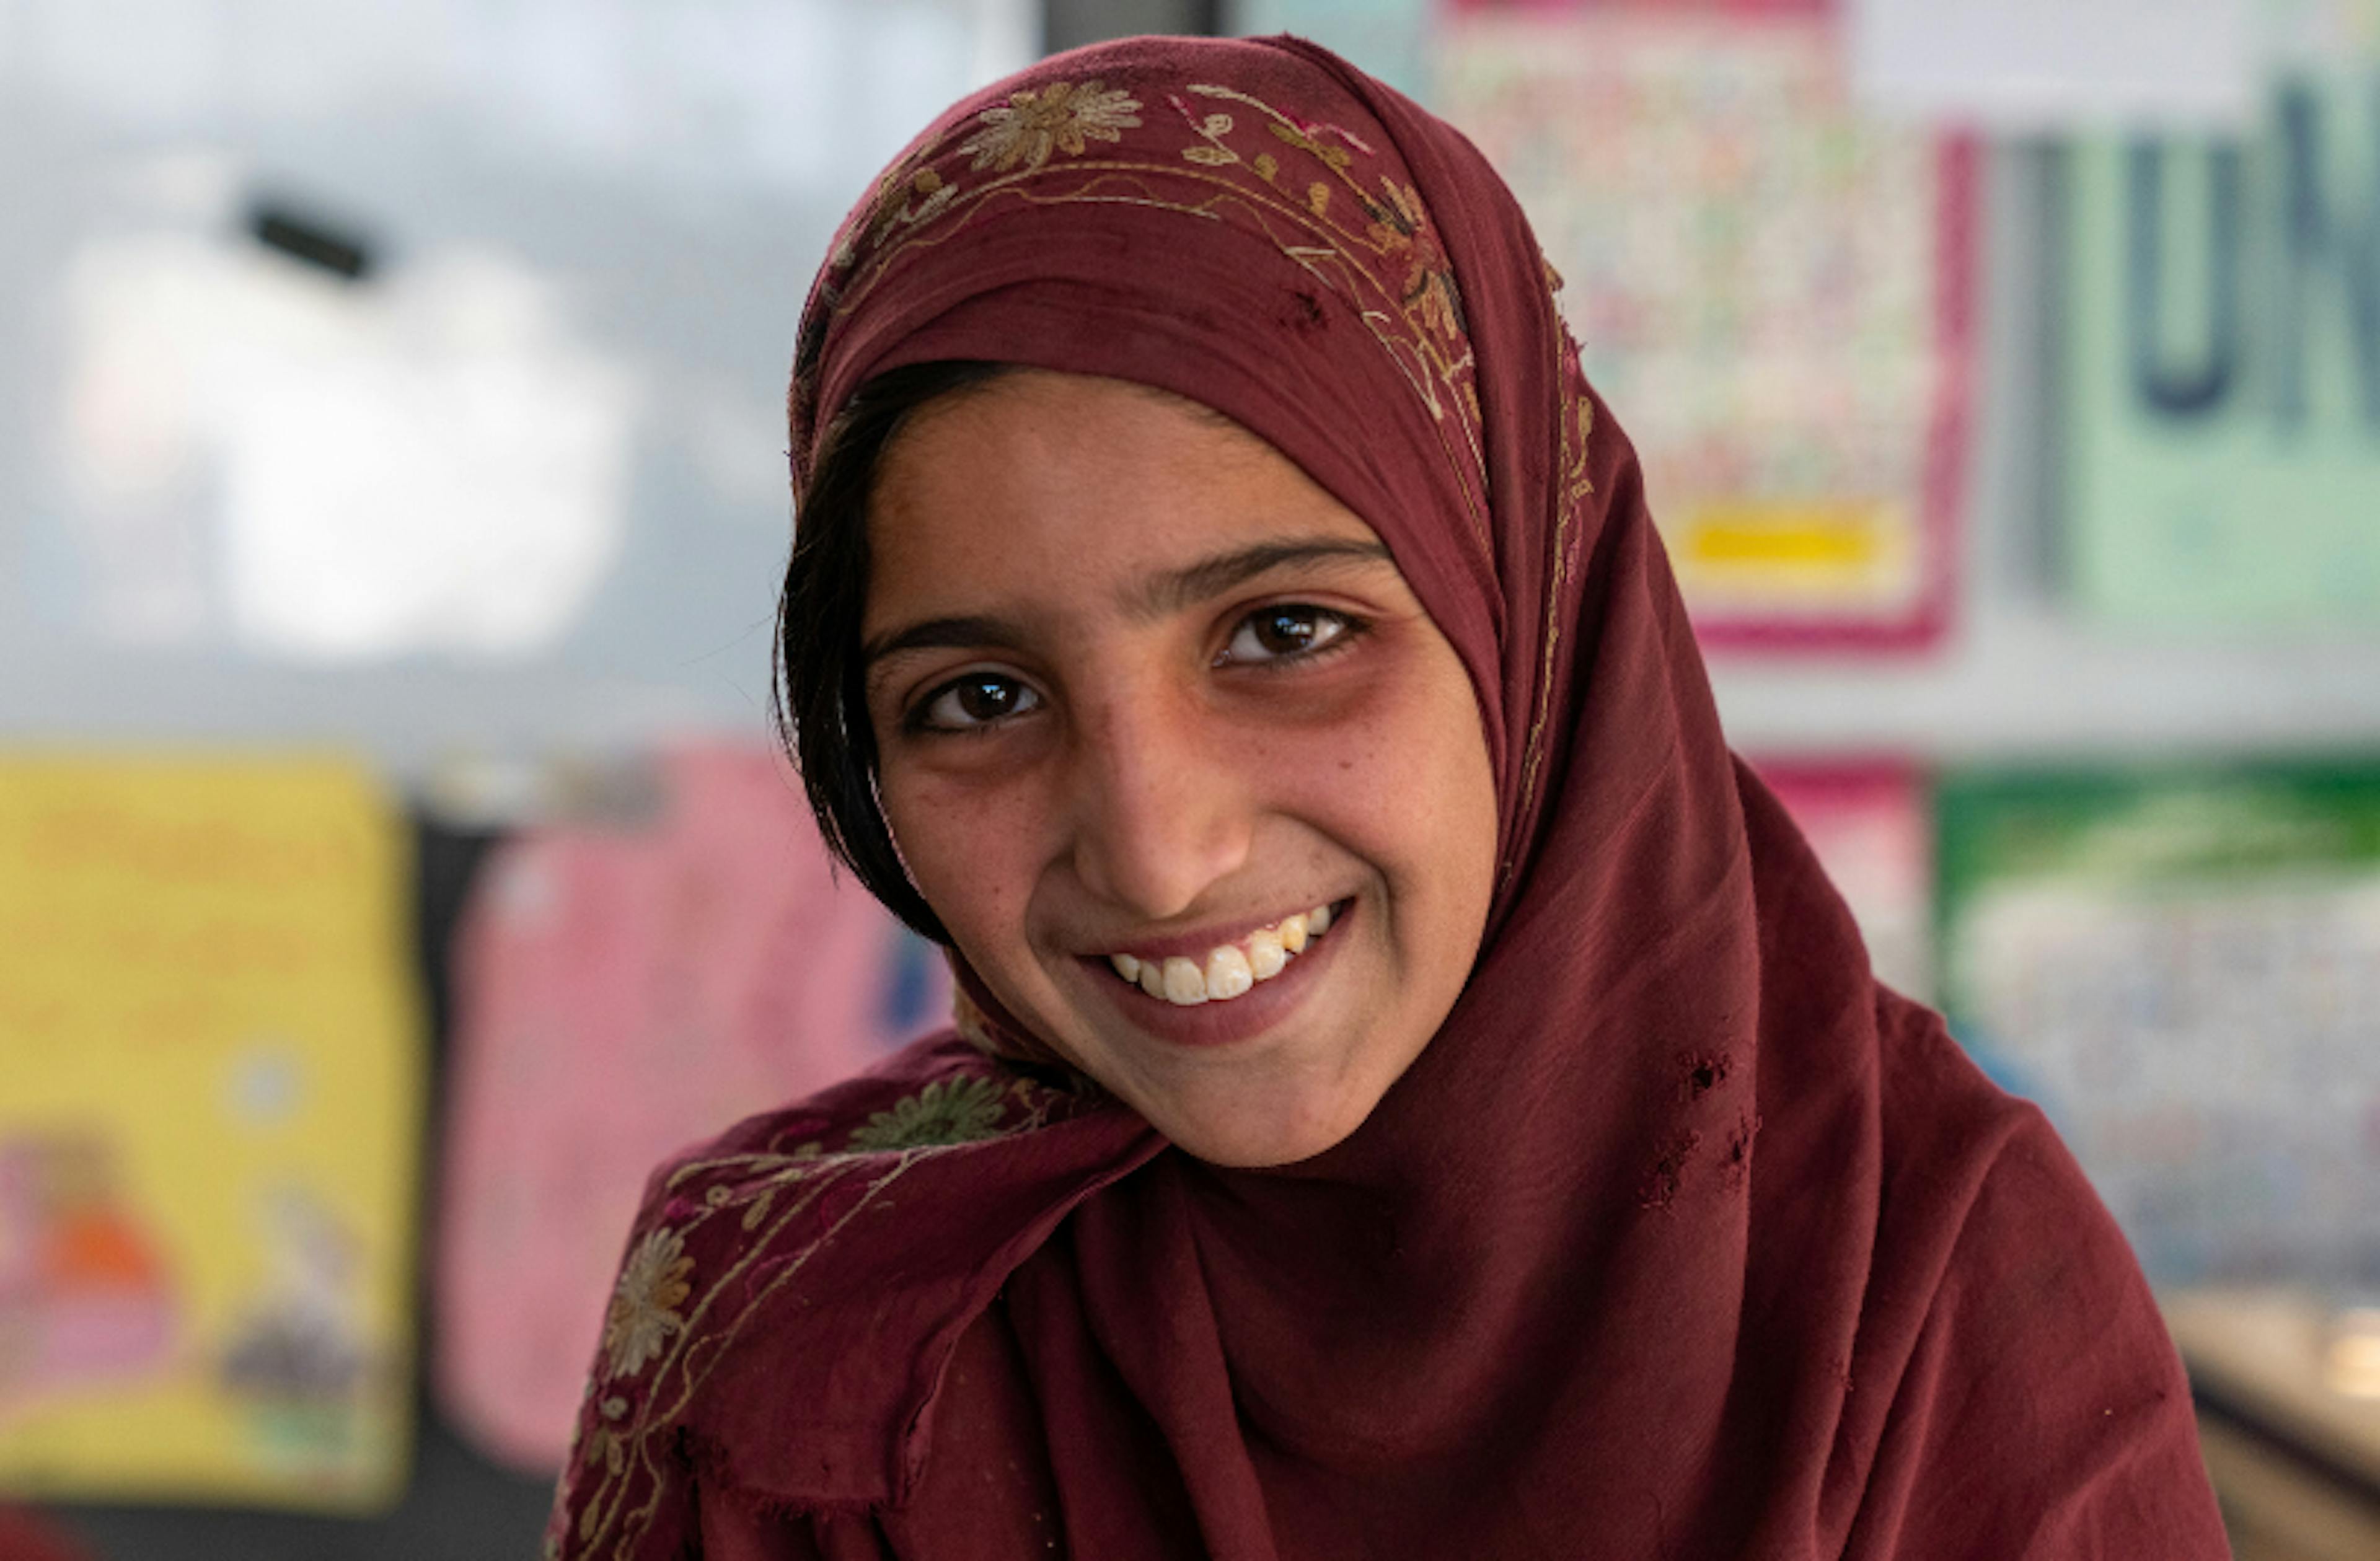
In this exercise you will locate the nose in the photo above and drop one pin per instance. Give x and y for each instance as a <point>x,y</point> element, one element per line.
<point>1162,805</point>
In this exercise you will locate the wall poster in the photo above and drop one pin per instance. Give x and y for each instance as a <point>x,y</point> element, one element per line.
<point>626,986</point>
<point>1871,824</point>
<point>208,1129</point>
<point>2222,383</point>
<point>1774,293</point>
<point>2183,968</point>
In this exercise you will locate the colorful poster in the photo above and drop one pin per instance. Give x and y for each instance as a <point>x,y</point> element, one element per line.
<point>2184,969</point>
<point>208,1124</point>
<point>1772,292</point>
<point>1872,826</point>
<point>2222,376</point>
<point>623,990</point>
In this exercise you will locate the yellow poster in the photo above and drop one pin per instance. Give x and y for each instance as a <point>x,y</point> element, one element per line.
<point>211,1080</point>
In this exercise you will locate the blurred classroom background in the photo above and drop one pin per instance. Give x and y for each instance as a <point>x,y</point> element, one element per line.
<point>395,864</point>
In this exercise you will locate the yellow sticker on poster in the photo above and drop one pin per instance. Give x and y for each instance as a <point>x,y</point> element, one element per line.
<point>211,1082</point>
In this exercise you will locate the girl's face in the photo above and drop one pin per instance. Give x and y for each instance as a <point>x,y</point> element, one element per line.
<point>1150,704</point>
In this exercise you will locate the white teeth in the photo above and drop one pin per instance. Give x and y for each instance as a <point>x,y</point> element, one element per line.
<point>1227,974</point>
<point>1184,987</point>
<point>1231,970</point>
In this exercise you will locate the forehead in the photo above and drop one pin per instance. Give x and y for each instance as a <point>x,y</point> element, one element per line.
<point>1058,492</point>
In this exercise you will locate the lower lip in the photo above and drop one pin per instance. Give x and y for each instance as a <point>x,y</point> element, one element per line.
<point>1221,1023</point>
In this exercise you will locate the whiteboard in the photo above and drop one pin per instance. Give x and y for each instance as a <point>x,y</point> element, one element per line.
<point>485,456</point>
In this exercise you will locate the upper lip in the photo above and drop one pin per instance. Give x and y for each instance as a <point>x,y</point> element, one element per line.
<point>1199,942</point>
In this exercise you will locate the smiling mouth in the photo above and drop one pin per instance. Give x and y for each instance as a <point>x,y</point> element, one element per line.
<point>1230,970</point>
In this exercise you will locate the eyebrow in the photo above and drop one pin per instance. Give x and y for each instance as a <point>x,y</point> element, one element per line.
<point>1155,598</point>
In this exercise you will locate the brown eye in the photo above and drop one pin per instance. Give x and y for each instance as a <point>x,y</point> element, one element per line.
<point>1276,634</point>
<point>977,701</point>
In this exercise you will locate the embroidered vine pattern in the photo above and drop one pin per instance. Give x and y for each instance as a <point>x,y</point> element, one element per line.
<point>661,1338</point>
<point>1354,238</point>
<point>1395,222</point>
<point>907,197</point>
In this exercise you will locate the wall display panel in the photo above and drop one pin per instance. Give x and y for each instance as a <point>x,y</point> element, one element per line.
<point>625,986</point>
<point>412,374</point>
<point>2183,967</point>
<point>207,1133</point>
<point>2222,372</point>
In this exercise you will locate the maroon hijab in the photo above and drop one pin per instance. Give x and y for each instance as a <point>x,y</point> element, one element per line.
<point>1683,1238</point>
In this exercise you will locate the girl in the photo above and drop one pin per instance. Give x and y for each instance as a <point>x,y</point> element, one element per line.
<point>1413,1091</point>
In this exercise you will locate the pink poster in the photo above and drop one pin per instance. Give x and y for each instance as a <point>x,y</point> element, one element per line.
<point>620,992</point>
<point>1773,291</point>
<point>1872,825</point>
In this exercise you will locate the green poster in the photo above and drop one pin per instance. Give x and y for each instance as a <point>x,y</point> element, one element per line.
<point>2222,380</point>
<point>2183,969</point>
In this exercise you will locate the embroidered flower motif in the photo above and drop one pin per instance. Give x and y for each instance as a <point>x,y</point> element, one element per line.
<point>946,1111</point>
<point>1399,224</point>
<point>906,197</point>
<point>653,1284</point>
<point>1061,116</point>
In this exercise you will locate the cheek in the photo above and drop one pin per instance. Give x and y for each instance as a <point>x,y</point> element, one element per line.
<point>972,848</point>
<point>1413,781</point>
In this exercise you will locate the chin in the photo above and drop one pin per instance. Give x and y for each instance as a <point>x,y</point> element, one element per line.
<point>1259,1138</point>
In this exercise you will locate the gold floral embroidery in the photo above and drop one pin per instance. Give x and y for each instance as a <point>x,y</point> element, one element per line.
<point>1302,138</point>
<point>1211,131</point>
<point>609,1491</point>
<point>1400,225</point>
<point>956,1110</point>
<point>605,1448</point>
<point>1360,231</point>
<point>927,196</point>
<point>1577,429</point>
<point>655,1280</point>
<point>1061,116</point>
